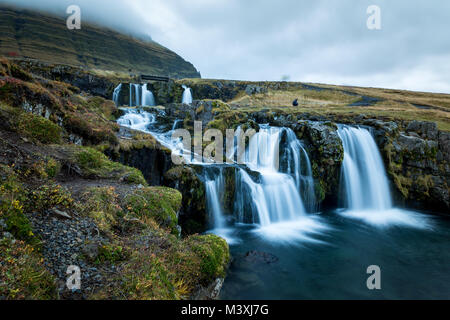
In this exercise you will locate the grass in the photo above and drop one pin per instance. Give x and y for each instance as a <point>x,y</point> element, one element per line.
<point>158,203</point>
<point>397,105</point>
<point>22,273</point>
<point>95,164</point>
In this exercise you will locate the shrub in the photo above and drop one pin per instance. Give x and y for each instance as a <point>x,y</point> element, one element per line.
<point>38,128</point>
<point>48,196</point>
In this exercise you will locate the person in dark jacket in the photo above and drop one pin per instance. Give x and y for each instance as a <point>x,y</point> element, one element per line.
<point>295,103</point>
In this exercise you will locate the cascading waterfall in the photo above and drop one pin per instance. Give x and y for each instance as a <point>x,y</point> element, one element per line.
<point>275,198</point>
<point>136,119</point>
<point>265,194</point>
<point>147,96</point>
<point>299,166</point>
<point>116,94</point>
<point>176,123</point>
<point>363,173</point>
<point>214,187</point>
<point>141,96</point>
<point>187,95</point>
<point>365,183</point>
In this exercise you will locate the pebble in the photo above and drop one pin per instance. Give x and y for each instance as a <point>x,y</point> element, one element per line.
<point>63,241</point>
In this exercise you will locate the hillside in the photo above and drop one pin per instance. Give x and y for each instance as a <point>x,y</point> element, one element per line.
<point>39,36</point>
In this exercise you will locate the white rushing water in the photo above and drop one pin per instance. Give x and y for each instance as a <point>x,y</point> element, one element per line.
<point>187,95</point>
<point>215,187</point>
<point>116,94</point>
<point>136,119</point>
<point>269,198</point>
<point>275,200</point>
<point>364,176</point>
<point>141,96</point>
<point>147,96</point>
<point>366,186</point>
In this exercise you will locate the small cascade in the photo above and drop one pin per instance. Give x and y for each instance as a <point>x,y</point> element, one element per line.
<point>363,174</point>
<point>141,96</point>
<point>275,197</point>
<point>298,165</point>
<point>215,186</point>
<point>187,95</point>
<point>136,119</point>
<point>176,124</point>
<point>116,94</point>
<point>147,96</point>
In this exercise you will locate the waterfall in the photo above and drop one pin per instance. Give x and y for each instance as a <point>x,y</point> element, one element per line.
<point>116,94</point>
<point>137,95</point>
<point>175,124</point>
<point>187,95</point>
<point>137,120</point>
<point>363,174</point>
<point>365,184</point>
<point>147,96</point>
<point>141,96</point>
<point>214,186</point>
<point>275,198</point>
<point>298,165</point>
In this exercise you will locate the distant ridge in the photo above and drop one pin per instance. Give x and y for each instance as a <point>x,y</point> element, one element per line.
<point>36,35</point>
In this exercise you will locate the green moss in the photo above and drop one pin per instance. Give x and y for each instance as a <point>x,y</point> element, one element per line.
<point>112,253</point>
<point>102,205</point>
<point>38,128</point>
<point>158,203</point>
<point>147,278</point>
<point>214,255</point>
<point>96,164</point>
<point>52,168</point>
<point>12,197</point>
<point>22,273</point>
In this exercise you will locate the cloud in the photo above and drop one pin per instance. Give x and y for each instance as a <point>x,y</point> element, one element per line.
<point>322,41</point>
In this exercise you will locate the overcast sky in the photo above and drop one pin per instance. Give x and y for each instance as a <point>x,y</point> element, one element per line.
<point>325,41</point>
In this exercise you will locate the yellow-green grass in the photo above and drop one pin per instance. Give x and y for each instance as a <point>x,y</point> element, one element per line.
<point>394,104</point>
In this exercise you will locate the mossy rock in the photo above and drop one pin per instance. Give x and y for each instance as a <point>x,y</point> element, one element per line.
<point>158,203</point>
<point>95,164</point>
<point>214,255</point>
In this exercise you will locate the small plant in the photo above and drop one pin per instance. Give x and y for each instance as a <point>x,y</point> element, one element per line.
<point>22,273</point>
<point>38,128</point>
<point>112,253</point>
<point>11,206</point>
<point>48,196</point>
<point>102,205</point>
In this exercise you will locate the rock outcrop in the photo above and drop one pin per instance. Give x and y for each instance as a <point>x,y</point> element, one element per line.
<point>418,162</point>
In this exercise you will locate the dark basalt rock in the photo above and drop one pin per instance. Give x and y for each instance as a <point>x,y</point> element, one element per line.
<point>418,163</point>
